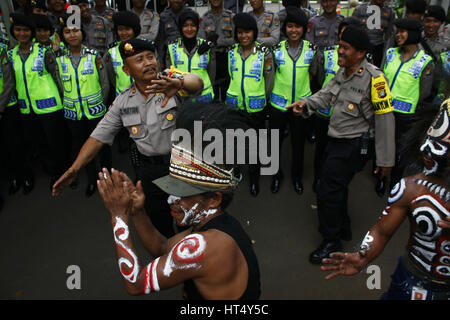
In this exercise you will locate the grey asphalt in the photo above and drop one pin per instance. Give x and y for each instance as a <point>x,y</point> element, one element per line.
<point>42,236</point>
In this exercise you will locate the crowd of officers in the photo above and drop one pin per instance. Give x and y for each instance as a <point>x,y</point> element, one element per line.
<point>57,82</point>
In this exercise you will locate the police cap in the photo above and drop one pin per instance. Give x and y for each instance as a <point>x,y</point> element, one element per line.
<point>135,46</point>
<point>357,37</point>
<point>436,12</point>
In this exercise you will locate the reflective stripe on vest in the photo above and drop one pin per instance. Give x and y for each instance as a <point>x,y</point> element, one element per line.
<point>123,80</point>
<point>82,90</point>
<point>247,86</point>
<point>331,67</point>
<point>291,77</point>
<point>35,87</point>
<point>197,64</point>
<point>404,79</point>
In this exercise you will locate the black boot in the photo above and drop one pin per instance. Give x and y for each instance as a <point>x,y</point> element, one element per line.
<point>324,250</point>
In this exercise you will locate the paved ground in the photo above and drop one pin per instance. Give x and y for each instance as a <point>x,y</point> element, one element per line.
<point>41,237</point>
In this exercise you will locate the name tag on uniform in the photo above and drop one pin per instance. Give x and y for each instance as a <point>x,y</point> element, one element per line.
<point>256,67</point>
<point>64,67</point>
<point>279,57</point>
<point>203,61</point>
<point>38,64</point>
<point>309,54</point>
<point>88,68</point>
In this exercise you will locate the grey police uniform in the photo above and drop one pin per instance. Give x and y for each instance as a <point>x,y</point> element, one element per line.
<point>107,14</point>
<point>149,24</point>
<point>438,45</point>
<point>150,126</point>
<point>268,28</point>
<point>98,36</point>
<point>323,32</point>
<point>220,24</point>
<point>168,31</point>
<point>356,115</point>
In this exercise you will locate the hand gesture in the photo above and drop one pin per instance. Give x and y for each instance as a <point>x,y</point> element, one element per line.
<point>136,194</point>
<point>297,107</point>
<point>66,179</point>
<point>56,42</point>
<point>115,196</point>
<point>166,85</point>
<point>344,264</point>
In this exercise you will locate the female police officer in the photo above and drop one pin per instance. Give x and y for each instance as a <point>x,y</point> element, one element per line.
<point>149,119</point>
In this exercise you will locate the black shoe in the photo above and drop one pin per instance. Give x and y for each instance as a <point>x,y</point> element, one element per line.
<point>380,187</point>
<point>298,186</point>
<point>28,185</point>
<point>15,186</point>
<point>324,250</point>
<point>254,189</point>
<point>90,190</point>
<point>275,186</point>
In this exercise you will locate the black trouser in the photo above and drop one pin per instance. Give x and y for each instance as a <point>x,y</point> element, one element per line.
<point>342,161</point>
<point>257,120</point>
<point>321,126</point>
<point>297,125</point>
<point>47,132</point>
<point>377,54</point>
<point>222,80</point>
<point>156,206</point>
<point>11,134</point>
<point>80,131</point>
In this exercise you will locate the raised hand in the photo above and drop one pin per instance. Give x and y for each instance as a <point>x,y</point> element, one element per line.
<point>342,263</point>
<point>297,107</point>
<point>111,189</point>
<point>136,194</point>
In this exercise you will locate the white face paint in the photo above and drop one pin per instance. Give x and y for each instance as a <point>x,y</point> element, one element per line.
<point>172,199</point>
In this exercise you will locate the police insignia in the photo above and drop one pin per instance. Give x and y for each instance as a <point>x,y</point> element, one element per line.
<point>169,116</point>
<point>360,70</point>
<point>381,95</point>
<point>128,48</point>
<point>134,130</point>
<point>350,106</point>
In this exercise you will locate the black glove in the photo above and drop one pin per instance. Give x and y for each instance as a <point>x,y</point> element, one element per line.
<point>210,42</point>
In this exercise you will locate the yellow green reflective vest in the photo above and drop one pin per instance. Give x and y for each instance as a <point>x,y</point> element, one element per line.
<point>331,67</point>
<point>247,85</point>
<point>123,80</point>
<point>82,89</point>
<point>291,80</point>
<point>197,64</point>
<point>36,89</point>
<point>3,51</point>
<point>404,79</point>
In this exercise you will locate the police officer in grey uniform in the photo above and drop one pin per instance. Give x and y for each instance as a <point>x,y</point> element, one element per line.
<point>149,20</point>
<point>98,34</point>
<point>168,27</point>
<point>378,36</point>
<point>323,29</point>
<point>150,121</point>
<point>362,110</point>
<point>268,24</point>
<point>102,10</point>
<point>217,22</point>
<point>433,19</point>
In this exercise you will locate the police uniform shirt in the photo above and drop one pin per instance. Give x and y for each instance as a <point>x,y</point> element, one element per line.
<point>268,28</point>
<point>8,80</point>
<point>376,36</point>
<point>323,32</point>
<point>220,24</point>
<point>97,35</point>
<point>148,124</point>
<point>107,14</point>
<point>149,24</point>
<point>438,45</point>
<point>352,99</point>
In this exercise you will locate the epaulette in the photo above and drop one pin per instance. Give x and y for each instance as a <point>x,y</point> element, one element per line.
<point>115,43</point>
<point>91,51</point>
<point>269,13</point>
<point>262,48</point>
<point>61,52</point>
<point>373,70</point>
<point>227,13</point>
<point>173,41</point>
<point>276,46</point>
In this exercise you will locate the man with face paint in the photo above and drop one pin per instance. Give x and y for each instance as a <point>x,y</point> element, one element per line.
<point>213,258</point>
<point>409,70</point>
<point>149,118</point>
<point>423,272</point>
<point>362,110</point>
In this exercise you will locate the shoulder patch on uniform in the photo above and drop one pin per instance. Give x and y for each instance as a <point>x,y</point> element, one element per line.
<point>381,95</point>
<point>115,43</point>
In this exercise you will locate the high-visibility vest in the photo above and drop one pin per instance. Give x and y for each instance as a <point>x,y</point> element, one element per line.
<point>291,76</point>
<point>404,79</point>
<point>247,85</point>
<point>3,51</point>
<point>36,89</point>
<point>123,80</point>
<point>331,67</point>
<point>82,89</point>
<point>197,64</point>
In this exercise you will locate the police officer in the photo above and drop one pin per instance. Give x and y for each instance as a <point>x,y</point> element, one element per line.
<point>39,99</point>
<point>44,29</point>
<point>168,27</point>
<point>251,72</point>
<point>378,36</point>
<point>99,35</point>
<point>149,20</point>
<point>293,59</point>
<point>191,54</point>
<point>323,29</point>
<point>360,97</point>
<point>56,10</point>
<point>218,21</point>
<point>268,24</point>
<point>102,10</point>
<point>85,86</point>
<point>433,19</point>
<point>10,132</point>
<point>150,120</point>
<point>409,70</point>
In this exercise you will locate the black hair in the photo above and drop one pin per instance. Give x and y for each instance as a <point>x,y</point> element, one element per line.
<point>227,198</point>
